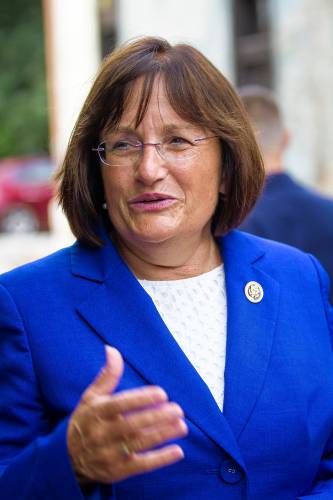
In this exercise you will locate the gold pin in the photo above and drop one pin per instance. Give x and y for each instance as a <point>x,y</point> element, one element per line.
<point>254,292</point>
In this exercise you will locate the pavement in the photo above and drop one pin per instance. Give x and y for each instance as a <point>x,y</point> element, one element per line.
<point>18,249</point>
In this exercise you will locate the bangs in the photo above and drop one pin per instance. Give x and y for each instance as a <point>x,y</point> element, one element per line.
<point>143,95</point>
<point>193,89</point>
<point>185,81</point>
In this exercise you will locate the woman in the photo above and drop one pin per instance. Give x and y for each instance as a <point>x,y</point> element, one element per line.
<point>219,381</point>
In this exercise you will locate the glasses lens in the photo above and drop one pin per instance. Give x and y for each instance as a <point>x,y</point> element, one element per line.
<point>177,151</point>
<point>120,153</point>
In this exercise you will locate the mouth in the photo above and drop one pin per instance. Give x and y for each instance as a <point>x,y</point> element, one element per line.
<point>151,201</point>
<point>150,197</point>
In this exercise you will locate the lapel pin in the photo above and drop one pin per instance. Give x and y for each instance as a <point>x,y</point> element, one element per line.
<point>254,292</point>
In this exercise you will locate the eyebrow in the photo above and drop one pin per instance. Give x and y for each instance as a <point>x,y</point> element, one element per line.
<point>170,127</point>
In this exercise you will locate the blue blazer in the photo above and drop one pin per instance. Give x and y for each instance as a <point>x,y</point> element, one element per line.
<point>274,438</point>
<point>291,213</point>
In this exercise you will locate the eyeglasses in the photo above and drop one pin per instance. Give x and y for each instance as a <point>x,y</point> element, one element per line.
<point>127,153</point>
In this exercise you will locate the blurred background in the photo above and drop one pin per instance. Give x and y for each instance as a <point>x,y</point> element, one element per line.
<point>49,54</point>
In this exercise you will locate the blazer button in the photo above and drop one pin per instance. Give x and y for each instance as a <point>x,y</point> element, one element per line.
<point>230,472</point>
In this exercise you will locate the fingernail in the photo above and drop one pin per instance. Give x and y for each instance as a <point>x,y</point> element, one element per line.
<point>160,393</point>
<point>110,349</point>
<point>175,409</point>
<point>178,452</point>
<point>183,426</point>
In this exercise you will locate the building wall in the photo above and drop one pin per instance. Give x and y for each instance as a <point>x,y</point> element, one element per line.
<point>302,36</point>
<point>207,24</point>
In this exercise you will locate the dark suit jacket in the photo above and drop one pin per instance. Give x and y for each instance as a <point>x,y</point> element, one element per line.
<point>293,214</point>
<point>273,440</point>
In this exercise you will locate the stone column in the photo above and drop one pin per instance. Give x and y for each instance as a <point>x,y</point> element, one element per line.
<point>73,55</point>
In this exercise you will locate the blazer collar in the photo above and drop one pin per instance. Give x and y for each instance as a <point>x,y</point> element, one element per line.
<point>117,307</point>
<point>95,264</point>
<point>250,326</point>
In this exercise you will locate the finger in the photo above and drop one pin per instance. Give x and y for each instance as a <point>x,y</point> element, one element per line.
<point>157,436</point>
<point>108,468</point>
<point>149,461</point>
<point>108,377</point>
<point>130,400</point>
<point>159,415</point>
<point>130,427</point>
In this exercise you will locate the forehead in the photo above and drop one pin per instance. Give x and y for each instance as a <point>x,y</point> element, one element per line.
<point>159,110</point>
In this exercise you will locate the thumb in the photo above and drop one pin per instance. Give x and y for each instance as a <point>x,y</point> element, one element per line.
<point>109,376</point>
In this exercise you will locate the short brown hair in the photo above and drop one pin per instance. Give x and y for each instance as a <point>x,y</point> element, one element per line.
<point>262,107</point>
<point>198,92</point>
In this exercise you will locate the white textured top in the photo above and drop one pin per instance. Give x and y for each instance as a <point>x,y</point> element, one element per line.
<point>195,311</point>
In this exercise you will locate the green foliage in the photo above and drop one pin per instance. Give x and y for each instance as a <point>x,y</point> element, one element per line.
<point>23,103</point>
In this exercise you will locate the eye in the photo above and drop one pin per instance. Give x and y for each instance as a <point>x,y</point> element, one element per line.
<point>179,142</point>
<point>122,146</point>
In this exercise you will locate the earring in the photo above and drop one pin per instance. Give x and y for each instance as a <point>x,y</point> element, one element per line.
<point>104,206</point>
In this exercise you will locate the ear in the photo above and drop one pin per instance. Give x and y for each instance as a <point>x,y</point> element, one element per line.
<point>222,189</point>
<point>285,139</point>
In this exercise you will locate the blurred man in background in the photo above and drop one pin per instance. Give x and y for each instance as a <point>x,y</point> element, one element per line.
<point>287,211</point>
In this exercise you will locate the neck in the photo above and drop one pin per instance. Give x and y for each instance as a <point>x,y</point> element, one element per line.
<point>273,164</point>
<point>169,260</point>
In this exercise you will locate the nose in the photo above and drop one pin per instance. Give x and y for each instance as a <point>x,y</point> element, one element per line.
<point>151,166</point>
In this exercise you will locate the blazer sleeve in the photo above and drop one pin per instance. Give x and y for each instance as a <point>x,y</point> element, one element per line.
<point>34,461</point>
<point>323,485</point>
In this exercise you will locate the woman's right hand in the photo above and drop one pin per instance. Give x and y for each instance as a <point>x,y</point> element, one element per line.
<point>114,436</point>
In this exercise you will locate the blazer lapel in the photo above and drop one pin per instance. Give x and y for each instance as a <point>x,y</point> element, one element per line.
<point>251,328</point>
<point>124,316</point>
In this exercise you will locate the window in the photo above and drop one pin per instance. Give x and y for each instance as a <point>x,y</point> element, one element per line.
<point>252,42</point>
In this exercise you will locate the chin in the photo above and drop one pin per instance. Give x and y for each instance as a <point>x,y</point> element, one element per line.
<point>153,238</point>
<point>156,232</point>
<point>154,235</point>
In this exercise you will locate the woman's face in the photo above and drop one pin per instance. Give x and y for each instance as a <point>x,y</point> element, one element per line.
<point>156,200</point>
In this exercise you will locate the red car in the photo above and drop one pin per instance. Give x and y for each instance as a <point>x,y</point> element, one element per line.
<point>25,192</point>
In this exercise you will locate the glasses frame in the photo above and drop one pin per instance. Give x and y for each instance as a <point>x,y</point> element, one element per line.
<point>142,145</point>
